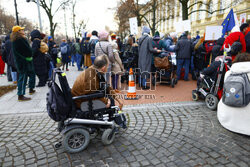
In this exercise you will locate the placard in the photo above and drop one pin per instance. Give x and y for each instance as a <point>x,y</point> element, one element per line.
<point>182,26</point>
<point>213,32</point>
<point>133,25</point>
<point>243,18</point>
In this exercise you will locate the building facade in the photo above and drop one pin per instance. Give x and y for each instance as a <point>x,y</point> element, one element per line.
<point>171,12</point>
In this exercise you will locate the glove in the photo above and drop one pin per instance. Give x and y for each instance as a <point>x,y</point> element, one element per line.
<point>29,58</point>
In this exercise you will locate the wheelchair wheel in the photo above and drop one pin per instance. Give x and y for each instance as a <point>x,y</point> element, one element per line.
<point>211,101</point>
<point>195,95</point>
<point>76,140</point>
<point>108,137</point>
<point>172,82</point>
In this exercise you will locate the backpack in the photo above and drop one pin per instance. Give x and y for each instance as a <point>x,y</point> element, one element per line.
<point>85,48</point>
<point>92,45</point>
<point>236,90</point>
<point>59,99</point>
<point>64,49</point>
<point>54,51</point>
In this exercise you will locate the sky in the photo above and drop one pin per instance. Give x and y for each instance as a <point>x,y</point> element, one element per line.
<point>98,13</point>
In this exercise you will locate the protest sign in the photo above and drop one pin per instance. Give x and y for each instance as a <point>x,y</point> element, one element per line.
<point>133,25</point>
<point>213,32</point>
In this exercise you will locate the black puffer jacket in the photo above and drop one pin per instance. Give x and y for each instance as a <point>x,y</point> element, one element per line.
<point>216,51</point>
<point>38,57</point>
<point>183,48</point>
<point>247,39</point>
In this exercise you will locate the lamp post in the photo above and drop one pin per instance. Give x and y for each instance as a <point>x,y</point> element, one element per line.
<point>39,13</point>
<point>17,20</point>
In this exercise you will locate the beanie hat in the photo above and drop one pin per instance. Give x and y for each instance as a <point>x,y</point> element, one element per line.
<point>243,26</point>
<point>157,34</point>
<point>95,33</point>
<point>103,35</point>
<point>145,29</point>
<point>49,37</point>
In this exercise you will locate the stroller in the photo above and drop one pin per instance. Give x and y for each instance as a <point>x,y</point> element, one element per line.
<point>76,125</point>
<point>166,68</point>
<point>210,89</point>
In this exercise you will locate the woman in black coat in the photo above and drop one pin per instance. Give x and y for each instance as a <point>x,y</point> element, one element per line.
<point>39,58</point>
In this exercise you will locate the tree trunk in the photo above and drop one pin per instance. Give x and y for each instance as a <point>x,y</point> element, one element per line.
<point>52,30</point>
<point>184,10</point>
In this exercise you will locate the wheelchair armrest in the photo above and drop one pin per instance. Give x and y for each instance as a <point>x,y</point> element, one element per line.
<point>99,94</point>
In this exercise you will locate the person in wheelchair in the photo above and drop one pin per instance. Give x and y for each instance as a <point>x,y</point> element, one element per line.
<point>92,80</point>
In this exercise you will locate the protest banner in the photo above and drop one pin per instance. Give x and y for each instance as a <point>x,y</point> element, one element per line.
<point>133,25</point>
<point>213,32</point>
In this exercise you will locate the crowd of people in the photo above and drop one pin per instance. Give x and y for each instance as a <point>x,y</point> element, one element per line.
<point>27,60</point>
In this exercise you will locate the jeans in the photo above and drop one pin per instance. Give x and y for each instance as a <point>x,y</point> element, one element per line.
<point>14,76</point>
<point>115,78</point>
<point>78,61</point>
<point>183,63</point>
<point>51,69</point>
<point>73,59</point>
<point>22,80</point>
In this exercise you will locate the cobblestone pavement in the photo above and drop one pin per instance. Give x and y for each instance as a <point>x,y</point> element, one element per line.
<point>157,135</point>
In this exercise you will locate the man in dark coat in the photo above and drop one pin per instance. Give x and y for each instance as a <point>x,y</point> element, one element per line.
<point>145,55</point>
<point>183,50</point>
<point>53,51</point>
<point>247,36</point>
<point>39,58</point>
<point>23,57</point>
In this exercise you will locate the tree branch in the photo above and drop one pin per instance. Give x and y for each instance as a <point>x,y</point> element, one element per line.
<point>197,3</point>
<point>63,3</point>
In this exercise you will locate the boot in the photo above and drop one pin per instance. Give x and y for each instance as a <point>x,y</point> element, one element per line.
<point>23,98</point>
<point>32,91</point>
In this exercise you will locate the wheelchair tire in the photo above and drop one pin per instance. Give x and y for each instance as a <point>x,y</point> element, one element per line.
<point>195,95</point>
<point>211,101</point>
<point>172,82</point>
<point>76,140</point>
<point>107,138</point>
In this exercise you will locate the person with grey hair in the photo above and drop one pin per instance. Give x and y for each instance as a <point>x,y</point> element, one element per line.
<point>146,51</point>
<point>91,81</point>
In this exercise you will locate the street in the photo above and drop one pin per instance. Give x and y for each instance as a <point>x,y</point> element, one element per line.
<point>176,134</point>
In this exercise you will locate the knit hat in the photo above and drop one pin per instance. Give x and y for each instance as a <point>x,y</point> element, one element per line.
<point>157,34</point>
<point>243,26</point>
<point>103,35</point>
<point>145,29</point>
<point>49,37</point>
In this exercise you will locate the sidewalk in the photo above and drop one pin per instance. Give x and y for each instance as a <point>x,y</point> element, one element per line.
<point>162,94</point>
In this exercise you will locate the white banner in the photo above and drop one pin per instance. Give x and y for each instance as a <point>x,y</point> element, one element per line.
<point>213,32</point>
<point>182,26</point>
<point>133,25</point>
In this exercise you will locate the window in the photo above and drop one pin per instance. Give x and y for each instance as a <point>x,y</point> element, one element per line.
<point>222,6</point>
<point>210,8</point>
<point>199,13</point>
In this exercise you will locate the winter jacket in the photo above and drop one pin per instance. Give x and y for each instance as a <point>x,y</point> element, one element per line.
<point>236,119</point>
<point>157,43</point>
<point>22,55</point>
<point>216,51</point>
<point>168,41</point>
<point>39,60</point>
<point>233,37</point>
<point>65,57</point>
<point>7,53</point>
<point>183,48</point>
<point>105,47</point>
<point>117,67</point>
<point>247,39</point>
<point>88,82</point>
<point>145,53</point>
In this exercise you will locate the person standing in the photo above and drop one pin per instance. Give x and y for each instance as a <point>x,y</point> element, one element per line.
<point>183,50</point>
<point>65,52</point>
<point>145,56</point>
<point>23,57</point>
<point>53,51</point>
<point>2,63</point>
<point>39,60</point>
<point>93,41</point>
<point>87,52</point>
<point>105,47</point>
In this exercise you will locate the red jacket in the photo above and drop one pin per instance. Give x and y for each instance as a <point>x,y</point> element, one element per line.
<point>233,37</point>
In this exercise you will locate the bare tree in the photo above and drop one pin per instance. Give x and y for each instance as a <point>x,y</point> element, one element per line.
<point>82,25</point>
<point>74,17</point>
<point>186,6</point>
<point>47,5</point>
